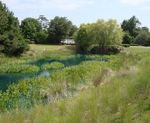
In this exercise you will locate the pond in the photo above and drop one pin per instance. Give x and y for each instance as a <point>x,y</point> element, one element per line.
<point>7,79</point>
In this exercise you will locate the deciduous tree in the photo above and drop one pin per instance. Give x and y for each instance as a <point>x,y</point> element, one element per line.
<point>59,28</point>
<point>30,28</point>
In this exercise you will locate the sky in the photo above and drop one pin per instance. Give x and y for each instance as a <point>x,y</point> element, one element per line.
<point>82,11</point>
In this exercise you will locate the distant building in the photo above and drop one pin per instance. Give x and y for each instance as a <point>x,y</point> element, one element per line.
<point>68,41</point>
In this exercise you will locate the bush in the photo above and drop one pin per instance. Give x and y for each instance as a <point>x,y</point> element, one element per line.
<point>15,47</point>
<point>108,50</point>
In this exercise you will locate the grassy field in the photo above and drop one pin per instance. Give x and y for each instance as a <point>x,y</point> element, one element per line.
<point>80,88</point>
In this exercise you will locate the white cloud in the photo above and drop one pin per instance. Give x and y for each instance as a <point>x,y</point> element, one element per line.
<point>48,4</point>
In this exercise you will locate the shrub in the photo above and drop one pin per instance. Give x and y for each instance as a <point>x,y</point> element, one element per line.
<point>126,45</point>
<point>15,47</point>
<point>108,50</point>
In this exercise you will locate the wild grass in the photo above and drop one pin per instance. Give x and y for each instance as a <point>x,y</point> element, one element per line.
<point>18,68</point>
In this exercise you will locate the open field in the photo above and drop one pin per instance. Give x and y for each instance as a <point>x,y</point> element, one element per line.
<point>71,88</point>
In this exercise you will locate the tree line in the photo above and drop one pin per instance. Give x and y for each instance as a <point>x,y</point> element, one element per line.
<point>41,31</point>
<point>98,37</point>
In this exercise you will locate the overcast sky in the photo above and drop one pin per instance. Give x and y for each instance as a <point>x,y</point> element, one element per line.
<point>82,11</point>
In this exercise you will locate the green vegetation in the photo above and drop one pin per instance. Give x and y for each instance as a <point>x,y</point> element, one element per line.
<point>98,37</point>
<point>53,66</point>
<point>92,91</point>
<point>18,68</point>
<point>30,28</point>
<point>54,84</point>
<point>135,34</point>
<point>59,29</point>
<point>11,40</point>
<point>143,38</point>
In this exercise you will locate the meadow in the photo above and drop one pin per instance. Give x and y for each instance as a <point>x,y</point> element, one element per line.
<point>53,84</point>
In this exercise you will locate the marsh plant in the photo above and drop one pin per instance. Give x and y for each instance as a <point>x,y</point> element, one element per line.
<point>18,68</point>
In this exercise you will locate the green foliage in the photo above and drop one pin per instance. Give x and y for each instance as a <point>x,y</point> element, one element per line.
<point>23,95</point>
<point>53,66</point>
<point>59,28</point>
<point>18,68</point>
<point>127,39</point>
<point>77,74</point>
<point>41,37</point>
<point>135,34</point>
<point>143,38</point>
<point>130,26</point>
<point>11,41</point>
<point>83,42</point>
<point>98,35</point>
<point>30,27</point>
<point>15,47</point>
<point>38,90</point>
<point>73,30</point>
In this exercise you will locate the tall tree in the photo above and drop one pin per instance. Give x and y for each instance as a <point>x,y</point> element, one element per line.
<point>30,27</point>
<point>11,41</point>
<point>130,27</point>
<point>59,28</point>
